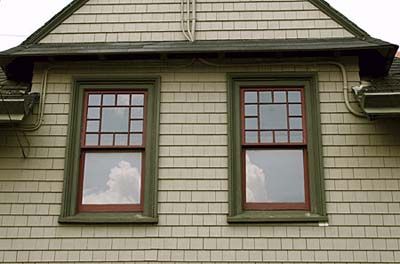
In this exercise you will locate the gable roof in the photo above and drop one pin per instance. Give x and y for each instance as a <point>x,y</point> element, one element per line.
<point>76,4</point>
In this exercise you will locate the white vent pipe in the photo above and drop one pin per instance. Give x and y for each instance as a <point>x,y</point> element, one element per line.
<point>188,19</point>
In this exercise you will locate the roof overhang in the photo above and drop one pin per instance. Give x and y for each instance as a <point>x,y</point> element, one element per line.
<point>375,55</point>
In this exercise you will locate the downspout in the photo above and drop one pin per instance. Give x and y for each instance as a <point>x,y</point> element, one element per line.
<point>346,87</point>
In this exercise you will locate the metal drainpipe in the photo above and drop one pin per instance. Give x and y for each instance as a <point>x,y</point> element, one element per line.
<point>341,67</point>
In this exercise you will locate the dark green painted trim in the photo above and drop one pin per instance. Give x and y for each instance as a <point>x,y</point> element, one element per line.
<point>276,217</point>
<point>309,80</point>
<point>54,22</point>
<point>71,173</point>
<point>340,18</point>
<point>105,218</point>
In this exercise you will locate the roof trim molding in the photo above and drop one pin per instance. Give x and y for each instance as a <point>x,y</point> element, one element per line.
<point>76,4</point>
<point>340,18</point>
<point>54,22</point>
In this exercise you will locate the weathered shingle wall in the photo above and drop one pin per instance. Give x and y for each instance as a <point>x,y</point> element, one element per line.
<point>159,20</point>
<point>361,164</point>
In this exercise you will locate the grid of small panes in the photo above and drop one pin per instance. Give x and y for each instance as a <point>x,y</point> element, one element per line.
<point>114,119</point>
<point>273,116</point>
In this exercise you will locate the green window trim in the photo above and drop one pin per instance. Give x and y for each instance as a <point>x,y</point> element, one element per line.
<point>237,214</point>
<point>69,212</point>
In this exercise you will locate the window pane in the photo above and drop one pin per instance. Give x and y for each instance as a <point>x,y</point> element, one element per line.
<point>296,136</point>
<point>112,178</point>
<point>115,119</point>
<point>92,140</point>
<point>137,99</point>
<point>251,137</point>
<point>273,117</point>
<point>94,99</point>
<point>251,123</point>
<point>123,99</point>
<point>106,140</point>
<point>93,113</point>
<point>250,97</point>
<point>279,97</point>
<point>250,110</point>
<point>108,99</point>
<point>296,123</point>
<point>266,137</point>
<point>92,126</point>
<point>281,136</point>
<point>135,139</point>
<point>294,97</point>
<point>295,110</point>
<point>136,126</point>
<point>265,97</point>
<point>274,176</point>
<point>121,139</point>
<point>137,112</point>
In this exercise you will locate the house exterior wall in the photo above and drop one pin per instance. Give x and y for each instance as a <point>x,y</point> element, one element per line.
<point>360,159</point>
<point>159,20</point>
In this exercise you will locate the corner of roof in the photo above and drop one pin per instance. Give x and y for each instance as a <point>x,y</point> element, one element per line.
<point>55,21</point>
<point>340,19</point>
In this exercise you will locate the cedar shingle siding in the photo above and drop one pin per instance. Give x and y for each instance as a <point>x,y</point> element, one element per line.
<point>159,20</point>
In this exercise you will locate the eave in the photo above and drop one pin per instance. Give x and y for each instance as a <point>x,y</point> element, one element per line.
<point>375,55</point>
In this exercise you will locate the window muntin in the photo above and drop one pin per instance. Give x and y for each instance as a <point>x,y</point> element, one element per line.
<point>112,150</point>
<point>273,116</point>
<point>274,149</point>
<point>114,119</point>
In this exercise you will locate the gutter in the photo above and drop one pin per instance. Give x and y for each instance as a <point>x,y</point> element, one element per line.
<point>378,104</point>
<point>15,101</point>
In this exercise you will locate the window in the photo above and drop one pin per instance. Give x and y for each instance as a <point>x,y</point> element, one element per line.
<point>111,162</point>
<point>275,157</point>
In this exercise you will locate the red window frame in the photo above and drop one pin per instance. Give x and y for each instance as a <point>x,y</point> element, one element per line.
<point>84,148</point>
<point>305,206</point>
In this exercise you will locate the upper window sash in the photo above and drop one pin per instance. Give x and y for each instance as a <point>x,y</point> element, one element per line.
<point>285,126</point>
<point>103,109</point>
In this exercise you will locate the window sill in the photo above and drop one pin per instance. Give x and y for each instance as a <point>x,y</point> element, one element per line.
<point>108,218</point>
<point>275,217</point>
